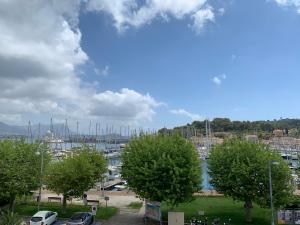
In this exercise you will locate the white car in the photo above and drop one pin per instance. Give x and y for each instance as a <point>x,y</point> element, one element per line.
<point>43,218</point>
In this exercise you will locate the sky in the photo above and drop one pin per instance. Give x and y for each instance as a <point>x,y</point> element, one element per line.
<point>148,63</point>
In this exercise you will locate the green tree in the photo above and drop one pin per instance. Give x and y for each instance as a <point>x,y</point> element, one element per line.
<point>162,168</point>
<point>240,169</point>
<point>76,174</point>
<point>97,160</point>
<point>20,169</point>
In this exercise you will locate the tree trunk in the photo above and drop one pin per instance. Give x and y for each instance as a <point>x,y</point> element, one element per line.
<point>64,203</point>
<point>12,203</point>
<point>248,210</point>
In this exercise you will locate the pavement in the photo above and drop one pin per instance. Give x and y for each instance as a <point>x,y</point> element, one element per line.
<point>116,198</point>
<point>127,216</point>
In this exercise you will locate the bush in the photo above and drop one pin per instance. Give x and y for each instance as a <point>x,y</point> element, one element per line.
<point>9,218</point>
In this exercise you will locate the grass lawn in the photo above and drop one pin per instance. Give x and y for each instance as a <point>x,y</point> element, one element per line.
<point>220,207</point>
<point>135,205</point>
<point>30,208</point>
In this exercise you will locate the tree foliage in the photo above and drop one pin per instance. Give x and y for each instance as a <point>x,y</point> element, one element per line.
<point>240,169</point>
<point>20,168</point>
<point>262,128</point>
<point>162,168</point>
<point>76,174</point>
<point>9,218</point>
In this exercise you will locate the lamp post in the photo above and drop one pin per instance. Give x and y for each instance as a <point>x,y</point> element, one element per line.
<point>271,162</point>
<point>41,174</point>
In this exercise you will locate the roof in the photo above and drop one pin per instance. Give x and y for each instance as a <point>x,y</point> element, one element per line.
<point>79,215</point>
<point>41,213</point>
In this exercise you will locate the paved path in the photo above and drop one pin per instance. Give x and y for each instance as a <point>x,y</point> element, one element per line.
<point>127,216</point>
<point>116,198</point>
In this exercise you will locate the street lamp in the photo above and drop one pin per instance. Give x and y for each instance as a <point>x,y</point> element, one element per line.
<point>271,162</point>
<point>41,151</point>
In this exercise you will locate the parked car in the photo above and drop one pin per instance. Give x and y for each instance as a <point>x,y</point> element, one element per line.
<point>81,218</point>
<point>43,218</point>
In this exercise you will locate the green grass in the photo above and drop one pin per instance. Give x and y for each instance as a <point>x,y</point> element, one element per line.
<point>30,208</point>
<point>135,205</point>
<point>220,207</point>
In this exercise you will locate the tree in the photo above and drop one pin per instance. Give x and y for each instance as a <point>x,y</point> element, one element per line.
<point>97,160</point>
<point>76,174</point>
<point>162,168</point>
<point>240,169</point>
<point>20,169</point>
<point>238,127</point>
<point>9,218</point>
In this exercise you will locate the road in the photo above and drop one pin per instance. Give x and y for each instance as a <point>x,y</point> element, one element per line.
<point>127,216</point>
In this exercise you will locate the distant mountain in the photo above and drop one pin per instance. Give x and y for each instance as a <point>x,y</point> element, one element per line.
<point>6,129</point>
<point>11,129</point>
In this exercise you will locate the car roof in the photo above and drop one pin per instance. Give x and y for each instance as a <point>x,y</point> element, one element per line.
<point>78,215</point>
<point>41,213</point>
<point>81,213</point>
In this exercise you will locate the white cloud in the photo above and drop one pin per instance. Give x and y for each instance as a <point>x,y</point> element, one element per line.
<point>223,76</point>
<point>221,11</point>
<point>40,54</point>
<point>289,3</point>
<point>126,104</point>
<point>102,72</point>
<point>186,113</point>
<point>10,118</point>
<point>219,79</point>
<point>132,13</point>
<point>201,17</point>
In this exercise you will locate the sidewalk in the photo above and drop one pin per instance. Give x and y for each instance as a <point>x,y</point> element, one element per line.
<point>116,198</point>
<point>127,216</point>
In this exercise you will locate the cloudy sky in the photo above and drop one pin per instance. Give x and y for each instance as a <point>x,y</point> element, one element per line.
<point>148,63</point>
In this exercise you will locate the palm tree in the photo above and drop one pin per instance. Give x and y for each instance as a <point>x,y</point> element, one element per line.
<point>9,218</point>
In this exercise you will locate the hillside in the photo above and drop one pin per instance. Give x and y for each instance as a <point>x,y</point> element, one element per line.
<point>225,125</point>
<point>11,130</point>
<point>6,129</point>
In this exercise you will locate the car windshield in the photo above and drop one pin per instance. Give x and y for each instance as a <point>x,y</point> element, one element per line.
<point>36,219</point>
<point>78,216</point>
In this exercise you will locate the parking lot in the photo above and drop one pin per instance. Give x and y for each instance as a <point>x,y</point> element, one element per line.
<point>63,222</point>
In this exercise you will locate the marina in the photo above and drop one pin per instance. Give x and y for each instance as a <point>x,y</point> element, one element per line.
<point>111,144</point>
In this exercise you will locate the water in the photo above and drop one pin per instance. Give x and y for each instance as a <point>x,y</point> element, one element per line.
<point>205,176</point>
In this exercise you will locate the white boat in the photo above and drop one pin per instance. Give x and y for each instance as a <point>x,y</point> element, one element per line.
<point>114,172</point>
<point>122,146</point>
<point>120,187</point>
<point>286,156</point>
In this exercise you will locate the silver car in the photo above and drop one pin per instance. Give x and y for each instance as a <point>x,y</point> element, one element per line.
<point>81,218</point>
<point>43,218</point>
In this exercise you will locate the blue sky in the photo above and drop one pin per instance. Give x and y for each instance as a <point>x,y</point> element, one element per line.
<point>255,43</point>
<point>239,59</point>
